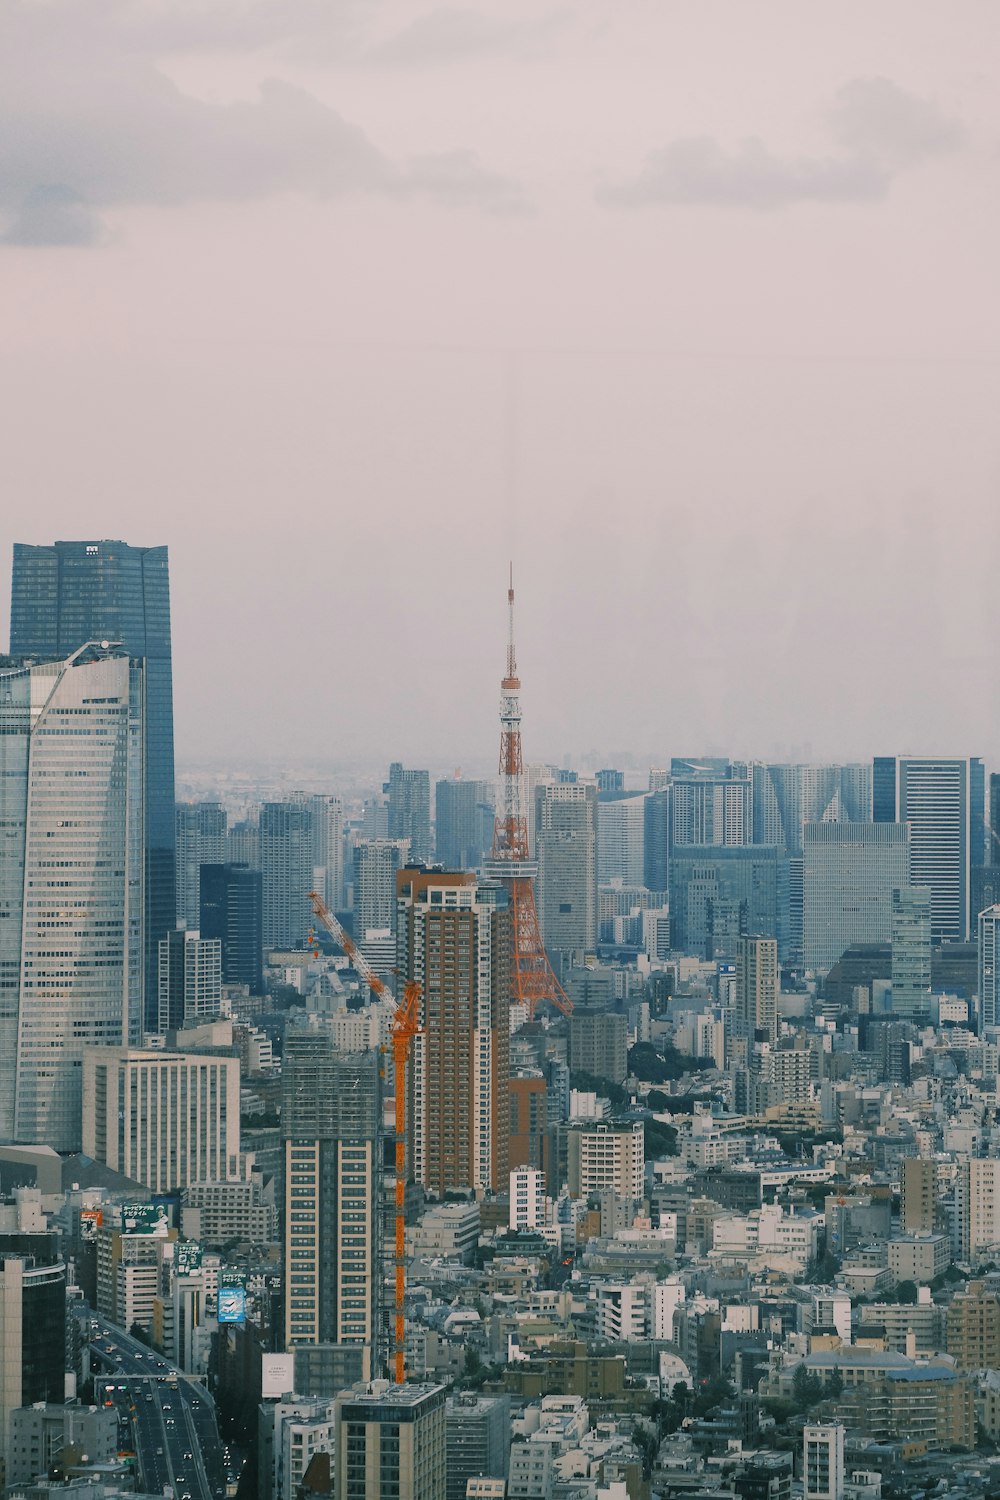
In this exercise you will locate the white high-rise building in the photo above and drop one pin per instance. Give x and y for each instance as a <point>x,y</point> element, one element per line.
<point>823,1462</point>
<point>989,975</point>
<point>328,849</point>
<point>527,1199</point>
<point>190,979</point>
<point>944,802</point>
<point>71,881</point>
<point>621,843</point>
<point>165,1119</point>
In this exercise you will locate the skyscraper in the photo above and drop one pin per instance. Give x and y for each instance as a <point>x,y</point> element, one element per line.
<point>190,979</point>
<point>943,801</point>
<point>231,910</point>
<point>463,823</point>
<point>32,1325</point>
<point>71,949</point>
<point>757,986</point>
<point>73,592</point>
<point>331,1124</point>
<point>328,849</point>
<point>375,864</point>
<point>849,873</point>
<point>988,933</point>
<point>621,838</point>
<point>711,803</point>
<point>566,852</point>
<point>786,797</point>
<point>911,952</point>
<point>286,862</point>
<point>410,809</point>
<point>201,840</point>
<point>656,838</point>
<point>456,940</point>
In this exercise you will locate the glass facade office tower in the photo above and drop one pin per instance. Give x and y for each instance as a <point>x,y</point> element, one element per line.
<point>201,840</point>
<point>71,882</point>
<point>849,873</point>
<point>911,953</point>
<point>73,592</point>
<point>944,802</point>
<point>410,809</point>
<point>231,910</point>
<point>463,823</point>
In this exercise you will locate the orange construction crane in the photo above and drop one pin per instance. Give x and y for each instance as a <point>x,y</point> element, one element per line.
<point>404,1027</point>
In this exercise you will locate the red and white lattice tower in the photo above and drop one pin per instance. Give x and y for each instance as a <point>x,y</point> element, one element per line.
<point>511,862</point>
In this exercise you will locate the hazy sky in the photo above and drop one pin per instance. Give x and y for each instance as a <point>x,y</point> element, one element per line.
<point>692,307</point>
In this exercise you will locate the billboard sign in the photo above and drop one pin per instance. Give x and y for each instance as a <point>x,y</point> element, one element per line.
<point>144,1218</point>
<point>91,1220</point>
<point>187,1258</point>
<point>232,1304</point>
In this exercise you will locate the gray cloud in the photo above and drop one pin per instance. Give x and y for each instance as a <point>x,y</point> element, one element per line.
<point>875,118</point>
<point>54,215</point>
<point>880,128</point>
<point>451,34</point>
<point>105,125</point>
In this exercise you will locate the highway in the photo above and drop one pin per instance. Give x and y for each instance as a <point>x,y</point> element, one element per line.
<point>166,1418</point>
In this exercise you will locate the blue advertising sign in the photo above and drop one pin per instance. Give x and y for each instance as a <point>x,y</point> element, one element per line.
<point>232,1304</point>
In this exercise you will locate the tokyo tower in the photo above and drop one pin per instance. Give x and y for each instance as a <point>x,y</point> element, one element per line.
<point>511,862</point>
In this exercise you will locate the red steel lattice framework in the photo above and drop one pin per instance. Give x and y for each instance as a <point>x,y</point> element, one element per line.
<point>534,979</point>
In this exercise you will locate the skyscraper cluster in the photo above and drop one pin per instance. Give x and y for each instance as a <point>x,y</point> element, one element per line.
<point>645,1017</point>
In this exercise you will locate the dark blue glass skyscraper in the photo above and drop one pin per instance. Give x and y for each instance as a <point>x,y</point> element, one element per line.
<point>73,592</point>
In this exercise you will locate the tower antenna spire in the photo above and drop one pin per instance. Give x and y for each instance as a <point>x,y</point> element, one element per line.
<point>511,862</point>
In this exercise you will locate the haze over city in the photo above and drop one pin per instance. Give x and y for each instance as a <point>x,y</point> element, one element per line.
<point>690,310</point>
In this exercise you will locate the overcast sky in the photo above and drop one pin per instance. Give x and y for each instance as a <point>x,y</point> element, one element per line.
<point>690,307</point>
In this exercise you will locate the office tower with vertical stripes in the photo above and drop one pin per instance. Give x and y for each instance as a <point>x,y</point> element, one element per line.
<point>72,593</point>
<point>944,802</point>
<point>71,882</point>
